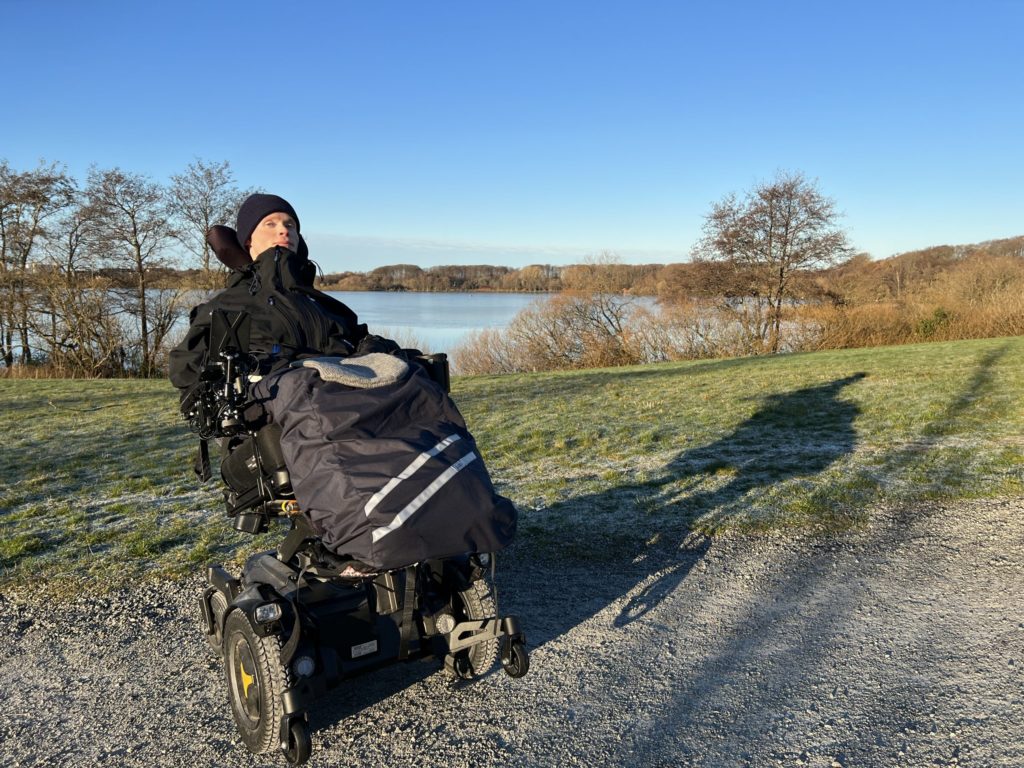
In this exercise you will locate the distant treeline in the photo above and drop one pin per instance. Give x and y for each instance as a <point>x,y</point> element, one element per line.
<point>638,279</point>
<point>857,280</point>
<point>863,280</point>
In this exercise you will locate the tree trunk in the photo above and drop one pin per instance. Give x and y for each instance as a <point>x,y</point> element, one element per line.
<point>26,349</point>
<point>147,363</point>
<point>6,348</point>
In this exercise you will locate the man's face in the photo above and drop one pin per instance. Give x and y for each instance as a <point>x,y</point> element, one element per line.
<point>275,229</point>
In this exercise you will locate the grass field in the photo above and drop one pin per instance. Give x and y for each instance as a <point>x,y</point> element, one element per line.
<point>96,482</point>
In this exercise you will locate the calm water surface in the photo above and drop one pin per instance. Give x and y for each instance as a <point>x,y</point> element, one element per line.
<point>438,321</point>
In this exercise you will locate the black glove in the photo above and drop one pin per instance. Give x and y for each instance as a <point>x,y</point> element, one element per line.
<point>371,343</point>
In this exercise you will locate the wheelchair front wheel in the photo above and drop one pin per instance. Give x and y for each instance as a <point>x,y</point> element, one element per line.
<point>515,661</point>
<point>299,744</point>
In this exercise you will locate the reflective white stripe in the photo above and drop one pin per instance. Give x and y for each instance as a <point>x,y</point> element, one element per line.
<point>423,498</point>
<point>406,473</point>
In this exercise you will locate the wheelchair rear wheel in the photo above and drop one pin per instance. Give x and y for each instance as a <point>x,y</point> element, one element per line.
<point>256,678</point>
<point>218,608</point>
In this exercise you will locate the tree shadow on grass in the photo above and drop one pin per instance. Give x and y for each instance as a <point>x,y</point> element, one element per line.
<point>808,593</point>
<point>793,434</point>
<point>796,434</point>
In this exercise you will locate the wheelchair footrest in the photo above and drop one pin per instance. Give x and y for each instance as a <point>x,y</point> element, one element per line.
<point>469,633</point>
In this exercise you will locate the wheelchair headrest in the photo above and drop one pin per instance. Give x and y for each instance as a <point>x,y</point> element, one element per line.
<point>224,241</point>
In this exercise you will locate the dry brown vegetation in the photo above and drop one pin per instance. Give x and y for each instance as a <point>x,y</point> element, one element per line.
<point>938,294</point>
<point>771,273</point>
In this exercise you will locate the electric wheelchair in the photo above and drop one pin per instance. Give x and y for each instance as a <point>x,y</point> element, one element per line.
<point>300,619</point>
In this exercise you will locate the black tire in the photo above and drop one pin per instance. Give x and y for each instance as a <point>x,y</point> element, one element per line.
<point>218,609</point>
<point>255,678</point>
<point>518,663</point>
<point>474,603</point>
<point>300,746</point>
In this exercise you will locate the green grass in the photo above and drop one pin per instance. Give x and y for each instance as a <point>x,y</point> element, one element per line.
<point>96,485</point>
<point>808,442</point>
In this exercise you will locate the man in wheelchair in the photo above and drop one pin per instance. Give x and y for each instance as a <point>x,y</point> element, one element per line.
<point>355,442</point>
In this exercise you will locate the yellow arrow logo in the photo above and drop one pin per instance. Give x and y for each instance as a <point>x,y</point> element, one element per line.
<point>247,680</point>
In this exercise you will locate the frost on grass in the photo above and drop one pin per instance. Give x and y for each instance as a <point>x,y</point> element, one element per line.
<point>736,485</point>
<point>129,532</point>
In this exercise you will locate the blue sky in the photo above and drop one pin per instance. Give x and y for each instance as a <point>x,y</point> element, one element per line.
<point>528,132</point>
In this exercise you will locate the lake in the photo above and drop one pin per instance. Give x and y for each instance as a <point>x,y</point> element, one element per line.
<point>438,321</point>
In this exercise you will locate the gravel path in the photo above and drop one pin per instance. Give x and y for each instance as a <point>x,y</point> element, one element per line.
<point>899,645</point>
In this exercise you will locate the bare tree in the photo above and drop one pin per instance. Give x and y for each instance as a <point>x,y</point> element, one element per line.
<point>778,230</point>
<point>128,227</point>
<point>73,315</point>
<point>27,200</point>
<point>204,195</point>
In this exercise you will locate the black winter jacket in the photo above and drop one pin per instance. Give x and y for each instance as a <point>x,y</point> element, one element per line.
<point>290,318</point>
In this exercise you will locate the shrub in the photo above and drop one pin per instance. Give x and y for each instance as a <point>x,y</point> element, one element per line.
<point>571,330</point>
<point>592,330</point>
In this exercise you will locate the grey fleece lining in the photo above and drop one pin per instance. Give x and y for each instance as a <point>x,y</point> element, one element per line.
<point>364,372</point>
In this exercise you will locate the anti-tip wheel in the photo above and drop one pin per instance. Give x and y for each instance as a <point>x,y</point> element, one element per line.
<point>299,744</point>
<point>517,663</point>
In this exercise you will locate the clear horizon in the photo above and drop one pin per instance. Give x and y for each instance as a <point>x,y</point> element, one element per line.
<point>538,133</point>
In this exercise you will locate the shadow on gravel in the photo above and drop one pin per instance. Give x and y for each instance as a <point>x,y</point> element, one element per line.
<point>360,693</point>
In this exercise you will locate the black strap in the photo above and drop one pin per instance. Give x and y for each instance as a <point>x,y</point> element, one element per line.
<point>494,584</point>
<point>202,463</point>
<point>407,608</point>
<point>289,648</point>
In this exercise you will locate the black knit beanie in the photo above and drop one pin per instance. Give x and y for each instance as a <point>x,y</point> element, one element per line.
<point>255,209</point>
